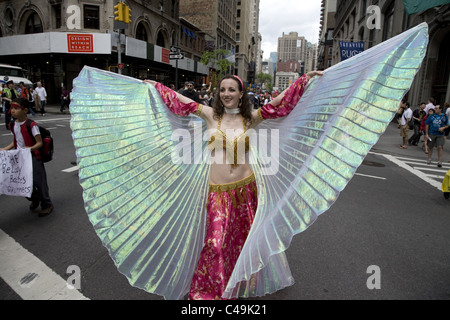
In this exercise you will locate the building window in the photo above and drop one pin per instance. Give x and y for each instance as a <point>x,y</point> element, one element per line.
<point>57,15</point>
<point>141,33</point>
<point>388,22</point>
<point>160,40</point>
<point>33,24</point>
<point>91,17</point>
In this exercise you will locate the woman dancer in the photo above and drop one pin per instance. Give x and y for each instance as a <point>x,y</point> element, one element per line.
<point>232,199</point>
<point>150,211</point>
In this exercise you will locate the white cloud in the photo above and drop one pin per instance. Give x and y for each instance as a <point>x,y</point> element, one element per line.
<point>276,17</point>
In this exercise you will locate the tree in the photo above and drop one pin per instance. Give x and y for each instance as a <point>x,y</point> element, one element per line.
<point>265,80</point>
<point>218,58</point>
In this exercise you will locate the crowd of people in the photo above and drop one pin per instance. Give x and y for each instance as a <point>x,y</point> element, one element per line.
<point>35,95</point>
<point>204,94</point>
<point>429,121</point>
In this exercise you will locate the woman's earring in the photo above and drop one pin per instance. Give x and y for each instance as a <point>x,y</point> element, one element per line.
<point>240,102</point>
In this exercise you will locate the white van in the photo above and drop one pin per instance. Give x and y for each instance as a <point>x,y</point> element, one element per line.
<point>16,74</point>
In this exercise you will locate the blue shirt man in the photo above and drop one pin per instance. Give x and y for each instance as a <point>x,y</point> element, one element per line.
<point>435,133</point>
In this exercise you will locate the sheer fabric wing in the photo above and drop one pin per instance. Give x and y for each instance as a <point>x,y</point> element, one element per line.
<point>321,144</point>
<point>146,203</point>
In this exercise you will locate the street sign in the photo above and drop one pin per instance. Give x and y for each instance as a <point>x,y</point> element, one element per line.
<point>120,65</point>
<point>175,50</point>
<point>176,56</point>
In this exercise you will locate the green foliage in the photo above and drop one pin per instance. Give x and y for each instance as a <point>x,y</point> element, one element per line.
<point>217,56</point>
<point>265,79</point>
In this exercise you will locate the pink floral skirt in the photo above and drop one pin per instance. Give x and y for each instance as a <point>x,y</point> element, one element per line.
<point>231,209</point>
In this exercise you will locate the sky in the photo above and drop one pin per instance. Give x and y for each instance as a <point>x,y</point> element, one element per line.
<point>278,16</point>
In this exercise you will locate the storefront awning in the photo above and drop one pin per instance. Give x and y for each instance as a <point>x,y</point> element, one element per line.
<point>56,42</point>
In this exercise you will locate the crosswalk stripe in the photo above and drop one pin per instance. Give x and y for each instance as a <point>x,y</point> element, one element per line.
<point>29,277</point>
<point>414,171</point>
<point>75,168</point>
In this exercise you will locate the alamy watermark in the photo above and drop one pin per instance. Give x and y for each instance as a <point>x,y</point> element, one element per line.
<point>374,19</point>
<point>74,280</point>
<point>374,280</point>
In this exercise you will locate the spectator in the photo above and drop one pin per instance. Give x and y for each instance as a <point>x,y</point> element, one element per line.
<point>42,94</point>
<point>436,124</point>
<point>191,93</point>
<point>404,127</point>
<point>418,115</point>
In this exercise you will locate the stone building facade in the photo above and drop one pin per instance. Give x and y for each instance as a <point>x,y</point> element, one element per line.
<point>432,79</point>
<point>54,39</point>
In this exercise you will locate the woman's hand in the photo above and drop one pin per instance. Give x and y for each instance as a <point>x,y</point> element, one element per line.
<point>314,73</point>
<point>149,81</point>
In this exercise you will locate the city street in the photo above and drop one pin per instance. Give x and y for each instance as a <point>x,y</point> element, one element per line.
<point>386,237</point>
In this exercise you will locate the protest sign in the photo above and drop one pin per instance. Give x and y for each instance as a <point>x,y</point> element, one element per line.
<point>16,173</point>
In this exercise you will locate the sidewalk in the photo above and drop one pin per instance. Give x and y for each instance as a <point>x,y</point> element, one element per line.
<point>390,143</point>
<point>53,109</point>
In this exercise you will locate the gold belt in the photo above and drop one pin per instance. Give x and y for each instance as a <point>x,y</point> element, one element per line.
<point>227,187</point>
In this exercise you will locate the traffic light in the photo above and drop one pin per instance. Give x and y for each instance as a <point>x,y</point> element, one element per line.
<point>118,14</point>
<point>127,14</point>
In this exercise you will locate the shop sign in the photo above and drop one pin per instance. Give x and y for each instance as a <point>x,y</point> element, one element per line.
<point>80,43</point>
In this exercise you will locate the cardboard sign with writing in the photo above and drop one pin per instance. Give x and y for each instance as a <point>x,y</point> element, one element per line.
<point>16,173</point>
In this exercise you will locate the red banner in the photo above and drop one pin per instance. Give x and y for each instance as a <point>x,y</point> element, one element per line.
<point>165,55</point>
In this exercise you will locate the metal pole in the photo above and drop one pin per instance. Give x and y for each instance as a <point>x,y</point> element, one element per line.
<point>176,74</point>
<point>119,55</point>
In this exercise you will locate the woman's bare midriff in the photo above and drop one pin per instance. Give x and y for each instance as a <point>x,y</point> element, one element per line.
<point>226,173</point>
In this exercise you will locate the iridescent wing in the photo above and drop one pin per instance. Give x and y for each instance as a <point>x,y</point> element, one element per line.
<point>146,204</point>
<point>320,145</point>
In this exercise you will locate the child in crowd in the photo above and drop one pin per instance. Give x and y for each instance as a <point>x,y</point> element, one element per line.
<point>22,139</point>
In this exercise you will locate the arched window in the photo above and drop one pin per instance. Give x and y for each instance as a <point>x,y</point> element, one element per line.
<point>33,24</point>
<point>160,41</point>
<point>141,32</point>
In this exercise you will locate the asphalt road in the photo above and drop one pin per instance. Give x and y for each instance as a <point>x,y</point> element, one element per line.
<point>386,237</point>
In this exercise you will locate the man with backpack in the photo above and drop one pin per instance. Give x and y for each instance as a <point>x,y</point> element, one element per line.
<point>27,135</point>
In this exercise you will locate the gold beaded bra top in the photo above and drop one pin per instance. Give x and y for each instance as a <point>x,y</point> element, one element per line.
<point>236,149</point>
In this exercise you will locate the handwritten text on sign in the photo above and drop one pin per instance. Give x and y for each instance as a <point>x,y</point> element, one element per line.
<point>16,173</point>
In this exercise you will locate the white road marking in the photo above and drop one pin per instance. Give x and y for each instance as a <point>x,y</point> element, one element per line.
<point>70,169</point>
<point>369,176</point>
<point>29,277</point>
<point>414,171</point>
